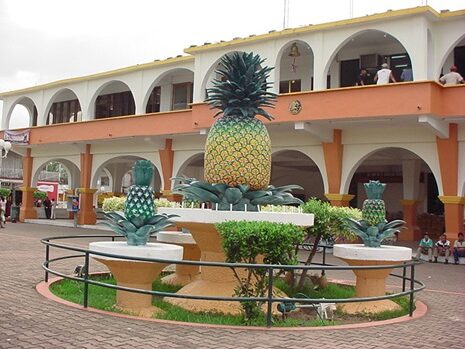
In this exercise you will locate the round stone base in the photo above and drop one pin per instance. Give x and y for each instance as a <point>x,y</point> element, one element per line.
<point>370,307</point>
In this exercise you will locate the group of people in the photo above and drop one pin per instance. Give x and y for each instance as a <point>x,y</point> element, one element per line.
<point>384,76</point>
<point>50,208</point>
<point>441,248</point>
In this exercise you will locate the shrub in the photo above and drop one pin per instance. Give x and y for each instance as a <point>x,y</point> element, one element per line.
<point>40,195</point>
<point>5,192</point>
<point>247,242</point>
<point>116,203</point>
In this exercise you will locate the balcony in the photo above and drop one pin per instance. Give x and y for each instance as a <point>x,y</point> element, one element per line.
<point>353,103</point>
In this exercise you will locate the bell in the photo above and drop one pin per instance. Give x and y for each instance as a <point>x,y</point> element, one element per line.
<point>294,52</point>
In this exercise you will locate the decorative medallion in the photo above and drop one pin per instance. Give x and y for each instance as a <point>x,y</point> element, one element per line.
<point>295,107</point>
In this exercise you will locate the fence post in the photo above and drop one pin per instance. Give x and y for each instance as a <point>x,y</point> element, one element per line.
<point>86,278</point>
<point>47,257</point>
<point>112,238</point>
<point>404,274</point>
<point>412,287</point>
<point>270,297</point>
<point>323,272</point>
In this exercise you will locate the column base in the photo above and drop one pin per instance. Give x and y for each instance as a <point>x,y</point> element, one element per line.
<point>340,200</point>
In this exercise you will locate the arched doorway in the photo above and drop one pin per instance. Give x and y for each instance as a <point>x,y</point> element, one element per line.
<point>367,49</point>
<point>171,91</point>
<point>193,167</point>
<point>294,67</point>
<point>212,75</point>
<point>294,167</point>
<point>63,107</point>
<point>54,178</point>
<point>455,56</point>
<point>410,183</point>
<point>113,99</point>
<point>114,177</point>
<point>22,114</point>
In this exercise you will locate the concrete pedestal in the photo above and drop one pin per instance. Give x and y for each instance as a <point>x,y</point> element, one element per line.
<point>135,274</point>
<point>218,281</point>
<point>371,283</point>
<point>184,274</point>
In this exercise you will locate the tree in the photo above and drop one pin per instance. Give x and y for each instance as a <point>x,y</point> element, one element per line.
<point>329,223</point>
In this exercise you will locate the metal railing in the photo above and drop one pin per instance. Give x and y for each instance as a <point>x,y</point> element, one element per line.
<point>269,298</point>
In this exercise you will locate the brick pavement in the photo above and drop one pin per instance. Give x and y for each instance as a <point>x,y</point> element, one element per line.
<point>27,320</point>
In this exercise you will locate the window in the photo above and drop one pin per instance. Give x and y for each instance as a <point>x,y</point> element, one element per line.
<point>61,112</point>
<point>182,96</point>
<point>290,86</point>
<point>115,104</point>
<point>153,105</point>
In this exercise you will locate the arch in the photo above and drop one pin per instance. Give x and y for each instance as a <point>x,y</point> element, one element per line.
<point>63,95</point>
<point>118,166</point>
<point>291,166</point>
<point>72,169</point>
<point>376,148</point>
<point>373,35</point>
<point>305,60</point>
<point>106,187</point>
<point>29,104</point>
<point>163,76</point>
<point>207,79</point>
<point>458,41</point>
<point>110,87</point>
<point>193,167</point>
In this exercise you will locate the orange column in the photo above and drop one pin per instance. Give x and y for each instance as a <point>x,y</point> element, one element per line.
<point>333,153</point>
<point>453,213</point>
<point>86,214</point>
<point>27,210</point>
<point>448,153</point>
<point>412,232</point>
<point>167,161</point>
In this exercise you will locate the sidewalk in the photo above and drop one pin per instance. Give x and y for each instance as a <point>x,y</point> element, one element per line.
<point>68,223</point>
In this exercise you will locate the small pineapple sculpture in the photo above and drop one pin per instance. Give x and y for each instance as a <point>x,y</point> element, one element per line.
<point>374,210</point>
<point>139,202</point>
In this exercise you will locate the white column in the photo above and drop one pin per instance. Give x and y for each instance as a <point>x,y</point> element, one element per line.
<point>165,97</point>
<point>411,179</point>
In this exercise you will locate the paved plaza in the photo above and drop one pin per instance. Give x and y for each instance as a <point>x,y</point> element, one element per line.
<point>28,320</point>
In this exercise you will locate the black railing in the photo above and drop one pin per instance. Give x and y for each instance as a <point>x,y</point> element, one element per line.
<point>269,298</point>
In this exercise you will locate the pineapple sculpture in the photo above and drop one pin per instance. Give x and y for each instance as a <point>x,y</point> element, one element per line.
<point>373,229</point>
<point>139,221</point>
<point>373,209</point>
<point>139,202</point>
<point>238,148</point>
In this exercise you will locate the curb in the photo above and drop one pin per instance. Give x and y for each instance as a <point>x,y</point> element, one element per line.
<point>43,289</point>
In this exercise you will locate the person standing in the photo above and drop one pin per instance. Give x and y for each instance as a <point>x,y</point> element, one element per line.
<point>451,78</point>
<point>47,207</point>
<point>442,248</point>
<point>407,74</point>
<point>459,248</point>
<point>363,78</point>
<point>425,247</point>
<point>384,75</point>
<point>2,212</point>
<point>54,207</point>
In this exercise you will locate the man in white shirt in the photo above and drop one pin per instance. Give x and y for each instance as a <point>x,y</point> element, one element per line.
<point>442,248</point>
<point>384,75</point>
<point>451,78</point>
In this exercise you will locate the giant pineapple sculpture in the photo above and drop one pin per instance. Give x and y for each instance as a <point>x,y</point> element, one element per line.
<point>238,148</point>
<point>237,166</point>
<point>373,229</point>
<point>139,221</point>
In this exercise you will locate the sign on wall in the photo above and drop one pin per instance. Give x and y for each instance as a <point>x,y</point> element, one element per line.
<point>17,137</point>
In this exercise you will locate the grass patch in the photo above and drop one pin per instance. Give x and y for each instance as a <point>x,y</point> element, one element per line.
<point>332,291</point>
<point>105,298</point>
